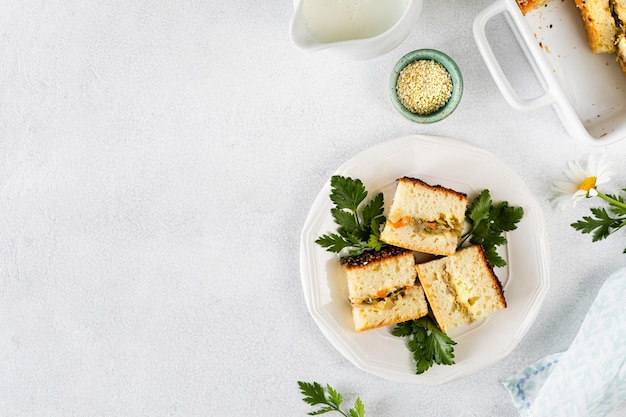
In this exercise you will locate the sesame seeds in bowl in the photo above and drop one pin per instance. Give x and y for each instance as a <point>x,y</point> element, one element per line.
<point>425,86</point>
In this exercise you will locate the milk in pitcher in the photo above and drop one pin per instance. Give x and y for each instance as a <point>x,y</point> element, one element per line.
<point>340,20</point>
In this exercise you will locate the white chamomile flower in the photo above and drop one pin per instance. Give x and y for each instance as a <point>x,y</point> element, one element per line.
<point>582,181</point>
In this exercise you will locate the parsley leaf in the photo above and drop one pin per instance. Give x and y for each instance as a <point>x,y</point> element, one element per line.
<point>479,209</point>
<point>427,342</point>
<point>619,207</point>
<point>358,221</point>
<point>346,192</point>
<point>372,213</point>
<point>488,223</point>
<point>601,224</point>
<point>359,408</point>
<point>315,394</point>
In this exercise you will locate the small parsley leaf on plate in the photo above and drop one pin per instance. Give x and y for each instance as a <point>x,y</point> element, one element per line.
<point>358,221</point>
<point>488,222</point>
<point>347,193</point>
<point>427,342</point>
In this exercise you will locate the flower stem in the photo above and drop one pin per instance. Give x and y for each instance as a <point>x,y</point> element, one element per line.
<point>611,201</point>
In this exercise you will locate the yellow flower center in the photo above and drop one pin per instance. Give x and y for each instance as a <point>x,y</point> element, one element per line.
<point>587,184</point>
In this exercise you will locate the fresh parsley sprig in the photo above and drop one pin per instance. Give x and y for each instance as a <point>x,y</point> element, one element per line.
<point>488,222</point>
<point>602,224</point>
<point>427,342</point>
<point>315,394</point>
<point>359,222</point>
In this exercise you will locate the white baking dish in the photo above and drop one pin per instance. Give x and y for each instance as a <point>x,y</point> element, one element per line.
<point>588,91</point>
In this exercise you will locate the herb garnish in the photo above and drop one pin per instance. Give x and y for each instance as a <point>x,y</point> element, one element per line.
<point>427,342</point>
<point>359,225</point>
<point>315,394</point>
<point>488,222</point>
<point>602,224</point>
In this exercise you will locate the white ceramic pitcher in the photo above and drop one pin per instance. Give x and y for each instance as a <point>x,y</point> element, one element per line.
<point>353,29</point>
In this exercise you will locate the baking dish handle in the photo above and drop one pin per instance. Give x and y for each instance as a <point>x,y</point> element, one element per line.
<point>480,23</point>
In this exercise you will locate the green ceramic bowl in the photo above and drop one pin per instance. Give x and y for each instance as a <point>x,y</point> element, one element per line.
<point>450,66</point>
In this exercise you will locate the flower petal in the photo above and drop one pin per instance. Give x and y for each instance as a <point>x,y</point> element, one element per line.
<point>562,201</point>
<point>596,168</point>
<point>575,172</point>
<point>565,187</point>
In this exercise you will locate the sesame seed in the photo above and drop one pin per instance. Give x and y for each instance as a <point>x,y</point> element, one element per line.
<point>424,86</point>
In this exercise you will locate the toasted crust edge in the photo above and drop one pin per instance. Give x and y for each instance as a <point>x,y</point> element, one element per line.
<point>369,257</point>
<point>497,285</point>
<point>436,187</point>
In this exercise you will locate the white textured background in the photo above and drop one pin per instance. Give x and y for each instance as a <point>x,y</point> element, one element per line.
<point>157,162</point>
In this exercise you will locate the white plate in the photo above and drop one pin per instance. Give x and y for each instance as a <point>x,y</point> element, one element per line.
<point>457,165</point>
